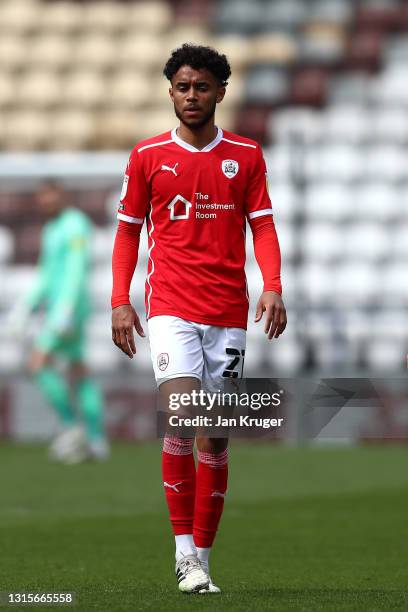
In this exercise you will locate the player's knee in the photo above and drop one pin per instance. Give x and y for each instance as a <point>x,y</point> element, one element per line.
<point>211,445</point>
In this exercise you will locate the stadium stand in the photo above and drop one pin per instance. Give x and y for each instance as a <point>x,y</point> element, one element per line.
<point>321,84</point>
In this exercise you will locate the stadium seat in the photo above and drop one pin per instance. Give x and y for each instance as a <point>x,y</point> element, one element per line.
<point>316,284</point>
<point>295,125</point>
<point>389,87</point>
<point>394,283</point>
<point>320,242</point>
<point>334,162</point>
<point>285,201</point>
<point>6,245</point>
<point>390,125</point>
<point>331,11</point>
<point>7,89</point>
<point>83,89</point>
<point>25,130</point>
<point>98,51</point>
<point>237,48</point>
<point>15,282</point>
<point>322,44</point>
<point>151,16</point>
<point>130,89</point>
<point>309,87</point>
<point>347,123</point>
<point>13,51</point>
<point>276,48</point>
<point>71,129</point>
<point>140,51</point>
<point>399,242</point>
<point>266,85</point>
<point>61,17</point>
<point>349,88</point>
<point>102,245</point>
<point>51,51</point>
<point>19,16</point>
<point>331,201</point>
<point>283,15</point>
<point>355,284</point>
<point>377,200</point>
<point>38,89</point>
<point>387,355</point>
<point>106,16</point>
<point>239,16</point>
<point>386,162</point>
<point>366,242</point>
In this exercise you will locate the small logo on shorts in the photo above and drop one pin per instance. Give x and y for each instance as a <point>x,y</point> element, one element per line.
<point>162,361</point>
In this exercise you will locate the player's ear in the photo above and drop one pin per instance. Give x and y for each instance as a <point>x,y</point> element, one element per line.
<point>171,93</point>
<point>220,94</point>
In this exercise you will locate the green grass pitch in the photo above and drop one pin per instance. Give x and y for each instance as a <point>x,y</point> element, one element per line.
<point>303,529</point>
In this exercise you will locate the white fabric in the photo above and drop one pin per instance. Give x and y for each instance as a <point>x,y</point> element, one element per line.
<point>182,348</point>
<point>185,545</point>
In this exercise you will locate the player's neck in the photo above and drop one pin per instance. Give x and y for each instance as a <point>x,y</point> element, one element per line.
<point>198,138</point>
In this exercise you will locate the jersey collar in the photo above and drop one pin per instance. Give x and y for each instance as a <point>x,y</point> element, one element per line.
<point>190,147</point>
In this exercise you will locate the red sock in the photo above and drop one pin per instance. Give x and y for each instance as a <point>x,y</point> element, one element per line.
<point>179,479</point>
<point>212,477</point>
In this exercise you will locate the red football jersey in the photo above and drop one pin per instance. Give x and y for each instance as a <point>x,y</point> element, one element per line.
<point>196,202</point>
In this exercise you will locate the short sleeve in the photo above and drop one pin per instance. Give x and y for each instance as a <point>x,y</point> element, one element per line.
<point>257,201</point>
<point>134,198</point>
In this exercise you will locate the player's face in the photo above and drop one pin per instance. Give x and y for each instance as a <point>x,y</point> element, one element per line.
<point>50,200</point>
<point>195,94</point>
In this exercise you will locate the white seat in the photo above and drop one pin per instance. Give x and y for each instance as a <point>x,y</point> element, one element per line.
<point>394,286</point>
<point>387,355</point>
<point>389,87</point>
<point>331,201</point>
<point>102,244</point>
<point>355,284</point>
<point>38,89</point>
<point>284,200</point>
<point>321,241</point>
<point>366,241</point>
<point>16,281</point>
<point>84,88</point>
<point>6,244</point>
<point>316,283</point>
<point>279,162</point>
<point>347,123</point>
<point>291,125</point>
<point>334,162</point>
<point>377,200</point>
<point>385,162</point>
<point>390,125</point>
<point>131,89</point>
<point>286,240</point>
<point>399,242</point>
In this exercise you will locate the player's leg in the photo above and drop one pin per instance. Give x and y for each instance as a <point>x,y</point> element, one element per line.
<point>52,385</point>
<point>89,399</point>
<point>178,362</point>
<point>224,350</point>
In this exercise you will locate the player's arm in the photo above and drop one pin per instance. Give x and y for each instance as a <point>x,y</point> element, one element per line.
<point>266,248</point>
<point>133,207</point>
<point>124,260</point>
<point>267,254</point>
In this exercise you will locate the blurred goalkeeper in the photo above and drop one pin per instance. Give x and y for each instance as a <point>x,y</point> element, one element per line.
<point>61,287</point>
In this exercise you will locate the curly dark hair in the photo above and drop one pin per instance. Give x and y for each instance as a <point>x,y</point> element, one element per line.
<point>198,56</point>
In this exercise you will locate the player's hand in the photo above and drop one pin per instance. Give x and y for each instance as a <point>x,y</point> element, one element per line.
<point>271,303</point>
<point>124,319</point>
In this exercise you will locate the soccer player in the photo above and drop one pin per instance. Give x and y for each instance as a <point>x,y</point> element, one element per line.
<point>62,287</point>
<point>196,185</point>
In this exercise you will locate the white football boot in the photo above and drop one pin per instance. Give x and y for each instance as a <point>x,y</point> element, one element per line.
<point>69,446</point>
<point>190,575</point>
<point>212,588</point>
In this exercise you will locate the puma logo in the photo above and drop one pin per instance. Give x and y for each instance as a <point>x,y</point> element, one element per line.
<point>173,170</point>
<point>218,494</point>
<point>174,487</point>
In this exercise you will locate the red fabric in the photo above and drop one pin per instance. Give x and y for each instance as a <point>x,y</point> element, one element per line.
<point>196,203</point>
<point>210,491</point>
<point>179,479</point>
<point>267,252</point>
<point>124,260</point>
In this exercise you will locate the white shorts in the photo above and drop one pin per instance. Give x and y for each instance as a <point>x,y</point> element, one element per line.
<point>182,348</point>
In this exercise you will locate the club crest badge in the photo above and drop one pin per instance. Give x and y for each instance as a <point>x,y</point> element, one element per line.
<point>162,361</point>
<point>230,167</point>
